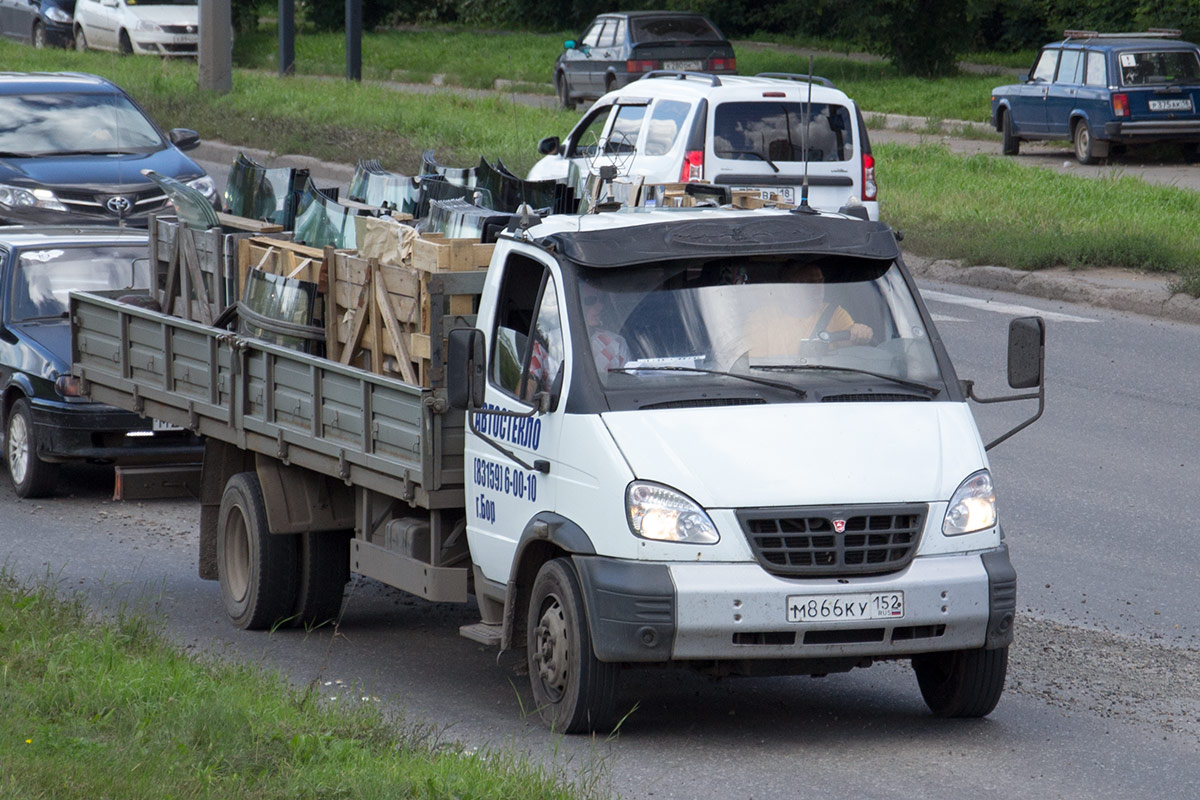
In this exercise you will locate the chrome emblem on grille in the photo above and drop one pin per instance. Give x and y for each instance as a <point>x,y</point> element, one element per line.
<point>119,205</point>
<point>839,525</point>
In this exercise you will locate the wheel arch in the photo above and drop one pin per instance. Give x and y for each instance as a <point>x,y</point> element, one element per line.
<point>546,537</point>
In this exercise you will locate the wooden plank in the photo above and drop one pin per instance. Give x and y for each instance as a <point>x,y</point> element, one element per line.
<point>441,255</point>
<point>246,224</point>
<point>393,329</point>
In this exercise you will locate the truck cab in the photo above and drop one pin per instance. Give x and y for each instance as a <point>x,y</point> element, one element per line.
<point>732,441</point>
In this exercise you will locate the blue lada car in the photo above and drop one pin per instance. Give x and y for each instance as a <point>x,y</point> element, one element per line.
<point>1101,90</point>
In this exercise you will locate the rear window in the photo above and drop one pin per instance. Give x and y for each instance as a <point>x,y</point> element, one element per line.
<point>674,29</point>
<point>1151,68</point>
<point>775,132</point>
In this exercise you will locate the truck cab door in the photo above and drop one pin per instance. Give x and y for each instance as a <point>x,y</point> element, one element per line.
<point>509,460</point>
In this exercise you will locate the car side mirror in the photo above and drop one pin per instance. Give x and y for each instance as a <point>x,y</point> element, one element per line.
<point>549,146</point>
<point>1026,352</point>
<point>184,138</point>
<point>569,44</point>
<point>467,369</point>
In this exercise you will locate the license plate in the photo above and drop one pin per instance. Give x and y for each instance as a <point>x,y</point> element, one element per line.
<point>779,194</point>
<point>845,607</point>
<point>159,425</point>
<point>686,66</point>
<point>1184,104</point>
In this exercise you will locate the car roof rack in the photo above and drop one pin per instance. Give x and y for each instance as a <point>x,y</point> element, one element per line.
<point>682,75</point>
<point>792,76</point>
<point>1149,33</point>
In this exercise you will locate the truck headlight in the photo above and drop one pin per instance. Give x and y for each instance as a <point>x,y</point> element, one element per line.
<point>20,197</point>
<point>973,506</point>
<point>204,185</point>
<point>662,514</point>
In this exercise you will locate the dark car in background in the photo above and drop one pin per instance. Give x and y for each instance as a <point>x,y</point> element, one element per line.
<point>42,23</point>
<point>619,48</point>
<point>44,420</point>
<point>1100,90</point>
<point>73,147</point>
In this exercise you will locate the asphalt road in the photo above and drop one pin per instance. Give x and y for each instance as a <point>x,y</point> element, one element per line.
<point>1103,698</point>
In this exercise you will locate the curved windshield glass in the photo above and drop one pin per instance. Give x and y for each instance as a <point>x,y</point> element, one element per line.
<point>770,328</point>
<point>45,275</point>
<point>74,124</point>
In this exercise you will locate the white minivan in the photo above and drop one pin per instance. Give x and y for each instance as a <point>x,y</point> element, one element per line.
<point>155,27</point>
<point>771,132</point>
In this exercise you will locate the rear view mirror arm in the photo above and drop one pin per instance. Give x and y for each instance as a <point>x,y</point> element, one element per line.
<point>1039,395</point>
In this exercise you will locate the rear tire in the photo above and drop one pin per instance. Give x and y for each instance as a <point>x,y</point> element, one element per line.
<point>31,477</point>
<point>1010,144</point>
<point>563,89</point>
<point>324,569</point>
<point>258,569</point>
<point>573,691</point>
<point>962,683</point>
<point>1087,149</point>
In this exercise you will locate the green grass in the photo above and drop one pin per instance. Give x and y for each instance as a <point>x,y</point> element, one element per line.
<point>988,210</point>
<point>110,709</point>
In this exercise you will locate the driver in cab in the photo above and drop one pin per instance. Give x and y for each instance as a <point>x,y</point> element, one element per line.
<point>801,314</point>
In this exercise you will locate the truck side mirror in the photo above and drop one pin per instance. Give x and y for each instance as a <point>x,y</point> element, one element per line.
<point>1026,352</point>
<point>466,373</point>
<point>549,145</point>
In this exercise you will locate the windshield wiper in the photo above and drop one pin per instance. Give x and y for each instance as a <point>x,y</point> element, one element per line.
<point>755,154</point>
<point>787,387</point>
<point>921,387</point>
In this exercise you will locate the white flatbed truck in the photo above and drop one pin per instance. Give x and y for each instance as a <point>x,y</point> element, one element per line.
<point>613,464</point>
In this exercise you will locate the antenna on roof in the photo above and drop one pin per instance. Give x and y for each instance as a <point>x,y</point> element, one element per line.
<point>804,207</point>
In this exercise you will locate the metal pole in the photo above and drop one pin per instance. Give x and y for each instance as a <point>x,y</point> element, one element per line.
<point>287,37</point>
<point>354,40</point>
<point>215,56</point>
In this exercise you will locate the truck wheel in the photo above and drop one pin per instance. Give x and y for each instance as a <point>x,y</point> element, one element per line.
<point>1087,149</point>
<point>324,569</point>
<point>31,477</point>
<point>1010,144</point>
<point>257,569</point>
<point>962,683</point>
<point>573,691</point>
<point>564,91</point>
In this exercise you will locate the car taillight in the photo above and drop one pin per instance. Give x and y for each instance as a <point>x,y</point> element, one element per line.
<point>693,166</point>
<point>869,189</point>
<point>641,65</point>
<point>1120,104</point>
<point>718,64</point>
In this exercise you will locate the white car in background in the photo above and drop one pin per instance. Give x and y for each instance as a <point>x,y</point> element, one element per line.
<point>157,27</point>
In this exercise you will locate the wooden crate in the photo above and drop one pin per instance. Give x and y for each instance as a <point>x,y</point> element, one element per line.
<point>432,253</point>
<point>280,257</point>
<point>195,272</point>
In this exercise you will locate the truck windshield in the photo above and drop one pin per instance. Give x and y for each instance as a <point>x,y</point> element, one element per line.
<point>763,327</point>
<point>44,276</point>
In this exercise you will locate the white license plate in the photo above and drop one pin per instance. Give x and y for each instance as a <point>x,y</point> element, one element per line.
<point>1171,105</point>
<point>686,66</point>
<point>159,425</point>
<point>845,607</point>
<point>779,194</point>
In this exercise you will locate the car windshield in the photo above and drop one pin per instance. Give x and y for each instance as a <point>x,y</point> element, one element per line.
<point>820,327</point>
<point>776,132</point>
<point>45,275</point>
<point>65,123</point>
<point>674,29</point>
<point>1156,67</point>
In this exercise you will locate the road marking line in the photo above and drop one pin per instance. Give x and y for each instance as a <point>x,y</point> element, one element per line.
<point>944,318</point>
<point>1001,308</point>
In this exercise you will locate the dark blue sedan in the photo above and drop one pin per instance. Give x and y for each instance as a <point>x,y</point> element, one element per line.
<point>73,147</point>
<point>45,421</point>
<point>41,23</point>
<point>1101,90</point>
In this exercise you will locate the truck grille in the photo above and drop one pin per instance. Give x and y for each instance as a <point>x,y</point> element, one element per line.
<point>806,541</point>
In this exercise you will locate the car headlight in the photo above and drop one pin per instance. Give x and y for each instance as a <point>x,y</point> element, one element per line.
<point>20,197</point>
<point>660,513</point>
<point>205,186</point>
<point>973,506</point>
<point>56,14</point>
<point>152,27</point>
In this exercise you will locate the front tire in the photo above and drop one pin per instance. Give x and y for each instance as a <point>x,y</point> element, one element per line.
<point>962,683</point>
<point>574,692</point>
<point>257,569</point>
<point>31,477</point>
<point>39,36</point>
<point>1010,144</point>
<point>81,44</point>
<point>125,46</point>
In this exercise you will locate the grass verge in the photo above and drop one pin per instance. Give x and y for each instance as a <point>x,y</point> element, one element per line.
<point>111,709</point>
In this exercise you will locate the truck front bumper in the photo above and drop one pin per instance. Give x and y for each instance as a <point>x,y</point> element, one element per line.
<point>643,611</point>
